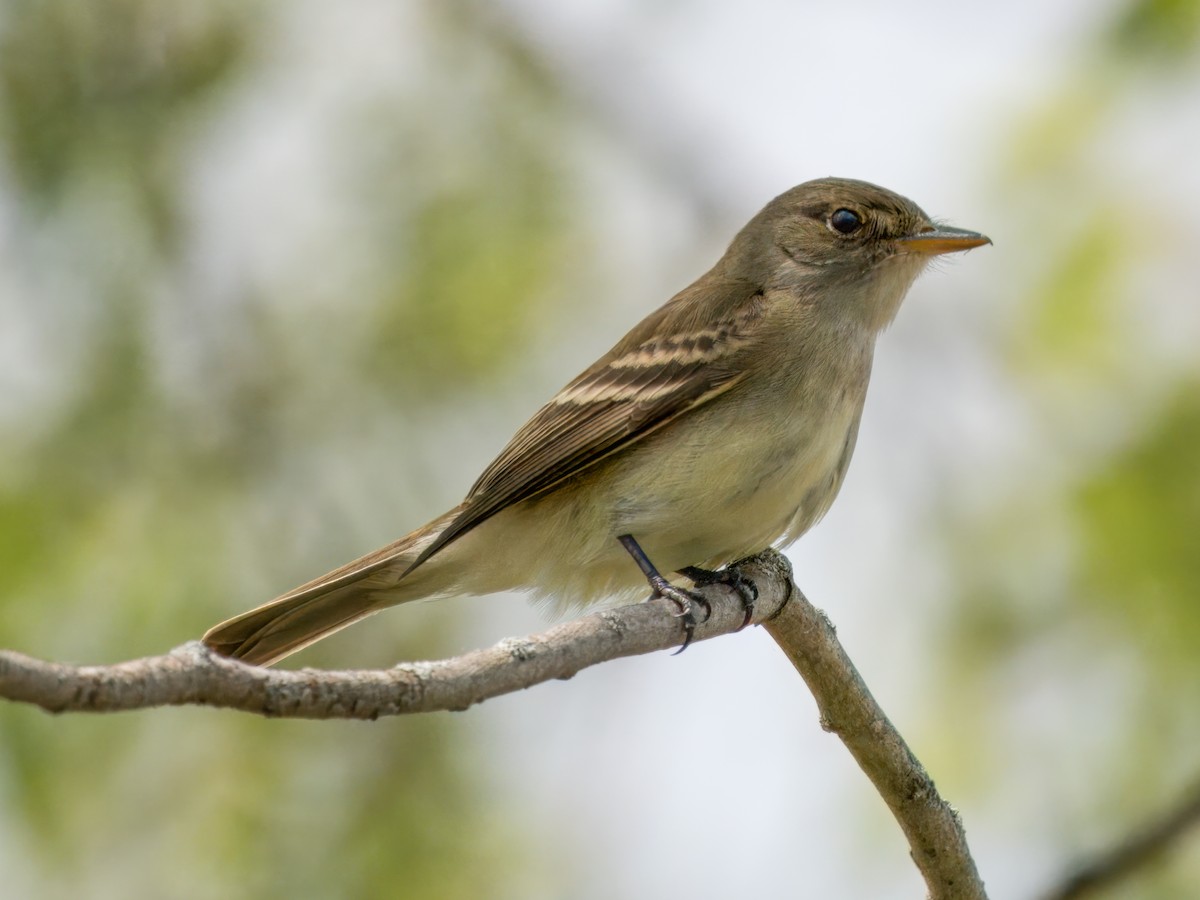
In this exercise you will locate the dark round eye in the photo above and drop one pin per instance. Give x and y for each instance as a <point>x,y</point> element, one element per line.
<point>845,221</point>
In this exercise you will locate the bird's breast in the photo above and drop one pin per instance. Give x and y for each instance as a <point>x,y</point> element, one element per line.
<point>735,478</point>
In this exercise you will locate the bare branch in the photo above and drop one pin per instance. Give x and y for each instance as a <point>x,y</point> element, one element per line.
<point>192,674</point>
<point>1138,849</point>
<point>933,828</point>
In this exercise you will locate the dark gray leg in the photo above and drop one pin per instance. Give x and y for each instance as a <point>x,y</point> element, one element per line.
<point>685,600</point>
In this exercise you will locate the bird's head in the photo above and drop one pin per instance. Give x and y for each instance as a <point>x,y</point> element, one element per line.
<point>850,247</point>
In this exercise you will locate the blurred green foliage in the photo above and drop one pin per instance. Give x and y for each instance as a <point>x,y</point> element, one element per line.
<point>1070,316</point>
<point>1163,32</point>
<point>1080,586</point>
<point>474,272</point>
<point>1139,519</point>
<point>107,90</point>
<point>135,497</point>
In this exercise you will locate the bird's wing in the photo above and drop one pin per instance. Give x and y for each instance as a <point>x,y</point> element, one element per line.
<point>675,361</point>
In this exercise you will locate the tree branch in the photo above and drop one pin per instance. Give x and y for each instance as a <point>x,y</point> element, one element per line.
<point>1138,849</point>
<point>192,674</point>
<point>935,834</point>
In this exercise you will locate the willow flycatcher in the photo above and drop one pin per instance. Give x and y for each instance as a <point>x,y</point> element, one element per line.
<point>720,425</point>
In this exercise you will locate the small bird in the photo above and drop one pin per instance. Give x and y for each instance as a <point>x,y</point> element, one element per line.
<point>722,424</point>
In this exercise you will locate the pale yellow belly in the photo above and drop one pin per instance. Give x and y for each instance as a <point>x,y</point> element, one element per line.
<point>718,497</point>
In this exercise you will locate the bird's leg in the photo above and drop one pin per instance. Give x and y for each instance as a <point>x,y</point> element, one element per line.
<point>746,589</point>
<point>663,588</point>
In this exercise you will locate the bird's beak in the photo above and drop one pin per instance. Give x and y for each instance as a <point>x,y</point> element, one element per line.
<point>936,239</point>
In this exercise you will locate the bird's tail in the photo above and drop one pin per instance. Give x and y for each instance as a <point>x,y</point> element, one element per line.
<point>344,596</point>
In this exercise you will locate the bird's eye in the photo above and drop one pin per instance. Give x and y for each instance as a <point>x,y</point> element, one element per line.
<point>845,221</point>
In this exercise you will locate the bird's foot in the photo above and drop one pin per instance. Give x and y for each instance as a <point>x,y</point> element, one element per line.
<point>746,589</point>
<point>686,601</point>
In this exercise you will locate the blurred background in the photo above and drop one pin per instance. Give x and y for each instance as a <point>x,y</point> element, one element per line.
<point>277,279</point>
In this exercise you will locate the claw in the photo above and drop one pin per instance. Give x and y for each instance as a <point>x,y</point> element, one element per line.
<point>746,589</point>
<point>687,615</point>
<point>684,600</point>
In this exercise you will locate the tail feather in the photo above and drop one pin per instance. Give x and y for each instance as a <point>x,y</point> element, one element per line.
<point>267,634</point>
<point>327,604</point>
